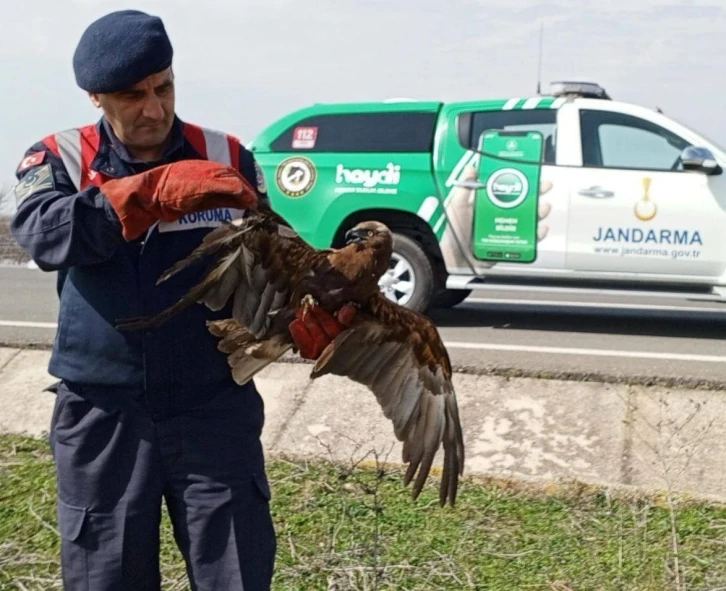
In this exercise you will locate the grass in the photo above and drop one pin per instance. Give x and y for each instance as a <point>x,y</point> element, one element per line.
<point>354,527</point>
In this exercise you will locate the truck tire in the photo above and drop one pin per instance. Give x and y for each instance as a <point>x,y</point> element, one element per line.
<point>448,298</point>
<point>410,278</point>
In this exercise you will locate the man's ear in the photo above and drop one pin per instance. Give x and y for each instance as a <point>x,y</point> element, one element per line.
<point>95,99</point>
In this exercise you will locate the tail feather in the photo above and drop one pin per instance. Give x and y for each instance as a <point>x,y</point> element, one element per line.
<point>246,355</point>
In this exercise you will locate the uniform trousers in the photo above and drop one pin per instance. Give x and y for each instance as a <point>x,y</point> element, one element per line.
<point>117,460</point>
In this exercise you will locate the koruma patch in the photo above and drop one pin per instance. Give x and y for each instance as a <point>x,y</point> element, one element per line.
<point>210,218</point>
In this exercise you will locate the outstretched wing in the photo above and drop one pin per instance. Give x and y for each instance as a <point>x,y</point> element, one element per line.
<point>256,261</point>
<point>398,354</point>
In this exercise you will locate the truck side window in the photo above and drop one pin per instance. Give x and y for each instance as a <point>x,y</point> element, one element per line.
<point>617,140</point>
<point>388,132</point>
<point>472,125</point>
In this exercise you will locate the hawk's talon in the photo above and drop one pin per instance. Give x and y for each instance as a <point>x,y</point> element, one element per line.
<point>307,302</point>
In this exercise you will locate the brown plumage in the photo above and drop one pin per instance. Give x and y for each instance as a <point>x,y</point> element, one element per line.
<point>269,271</point>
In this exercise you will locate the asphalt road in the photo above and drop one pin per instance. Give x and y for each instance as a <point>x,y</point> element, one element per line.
<point>615,337</point>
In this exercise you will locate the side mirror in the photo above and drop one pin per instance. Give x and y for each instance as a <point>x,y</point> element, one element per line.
<point>699,160</point>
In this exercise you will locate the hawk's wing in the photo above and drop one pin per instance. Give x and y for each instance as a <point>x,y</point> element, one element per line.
<point>256,263</point>
<point>398,354</point>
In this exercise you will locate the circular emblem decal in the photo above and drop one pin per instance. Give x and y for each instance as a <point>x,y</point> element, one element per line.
<point>507,188</point>
<point>295,176</point>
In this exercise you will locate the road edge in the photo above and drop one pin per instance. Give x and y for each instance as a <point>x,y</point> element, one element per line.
<point>512,371</point>
<point>531,431</point>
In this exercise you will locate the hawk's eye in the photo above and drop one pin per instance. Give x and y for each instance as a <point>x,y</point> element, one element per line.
<point>370,232</point>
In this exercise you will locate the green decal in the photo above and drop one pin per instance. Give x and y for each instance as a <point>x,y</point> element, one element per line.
<point>505,213</point>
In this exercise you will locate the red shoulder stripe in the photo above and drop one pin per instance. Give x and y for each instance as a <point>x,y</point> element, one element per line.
<point>89,148</point>
<point>51,144</point>
<point>234,147</point>
<point>195,136</point>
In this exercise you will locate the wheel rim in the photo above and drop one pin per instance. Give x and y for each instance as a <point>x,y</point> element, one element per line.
<point>399,282</point>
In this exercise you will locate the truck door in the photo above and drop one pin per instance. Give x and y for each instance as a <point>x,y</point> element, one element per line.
<point>633,209</point>
<point>456,161</point>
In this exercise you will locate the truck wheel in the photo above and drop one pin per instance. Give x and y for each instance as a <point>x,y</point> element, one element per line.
<point>409,280</point>
<point>448,298</point>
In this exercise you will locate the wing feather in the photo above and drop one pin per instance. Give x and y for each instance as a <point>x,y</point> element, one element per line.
<point>220,290</point>
<point>407,403</point>
<point>400,357</point>
<point>257,265</point>
<point>395,352</point>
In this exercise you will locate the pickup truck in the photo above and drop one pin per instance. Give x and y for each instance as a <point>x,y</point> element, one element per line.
<point>629,198</point>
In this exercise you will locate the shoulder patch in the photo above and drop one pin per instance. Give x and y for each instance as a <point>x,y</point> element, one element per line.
<point>261,186</point>
<point>31,160</point>
<point>36,180</point>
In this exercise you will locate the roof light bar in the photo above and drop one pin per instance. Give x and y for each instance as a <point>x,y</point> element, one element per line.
<point>581,89</point>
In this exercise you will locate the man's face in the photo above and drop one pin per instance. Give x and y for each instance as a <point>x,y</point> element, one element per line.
<point>141,116</point>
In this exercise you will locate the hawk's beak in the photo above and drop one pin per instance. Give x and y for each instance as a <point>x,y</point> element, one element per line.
<point>355,235</point>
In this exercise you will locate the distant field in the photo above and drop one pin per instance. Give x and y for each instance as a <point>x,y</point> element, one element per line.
<point>10,252</point>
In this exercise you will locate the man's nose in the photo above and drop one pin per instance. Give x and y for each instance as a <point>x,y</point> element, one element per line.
<point>153,108</point>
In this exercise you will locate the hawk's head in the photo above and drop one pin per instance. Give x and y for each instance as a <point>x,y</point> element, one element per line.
<point>371,234</point>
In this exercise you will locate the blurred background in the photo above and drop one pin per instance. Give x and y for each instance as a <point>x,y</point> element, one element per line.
<point>240,65</point>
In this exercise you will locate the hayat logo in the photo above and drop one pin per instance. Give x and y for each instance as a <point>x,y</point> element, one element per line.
<point>391,175</point>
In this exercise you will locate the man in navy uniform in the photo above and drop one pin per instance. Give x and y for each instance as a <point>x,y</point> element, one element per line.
<point>151,416</point>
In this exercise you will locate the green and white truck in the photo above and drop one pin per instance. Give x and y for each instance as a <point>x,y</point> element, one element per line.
<point>630,199</point>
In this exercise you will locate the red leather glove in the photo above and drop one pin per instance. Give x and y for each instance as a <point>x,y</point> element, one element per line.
<point>318,328</point>
<point>169,191</point>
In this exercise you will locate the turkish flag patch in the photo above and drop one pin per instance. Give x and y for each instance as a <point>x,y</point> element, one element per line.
<point>31,160</point>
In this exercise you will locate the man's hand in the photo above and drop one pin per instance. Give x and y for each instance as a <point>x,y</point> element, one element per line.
<point>169,191</point>
<point>313,328</point>
<point>456,241</point>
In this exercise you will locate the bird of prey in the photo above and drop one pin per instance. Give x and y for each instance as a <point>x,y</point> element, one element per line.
<point>273,276</point>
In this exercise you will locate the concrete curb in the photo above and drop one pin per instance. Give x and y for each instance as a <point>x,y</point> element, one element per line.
<point>521,429</point>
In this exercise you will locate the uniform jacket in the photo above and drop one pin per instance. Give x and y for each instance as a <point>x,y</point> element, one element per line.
<point>66,225</point>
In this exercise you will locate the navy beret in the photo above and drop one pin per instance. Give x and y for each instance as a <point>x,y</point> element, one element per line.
<point>120,49</point>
